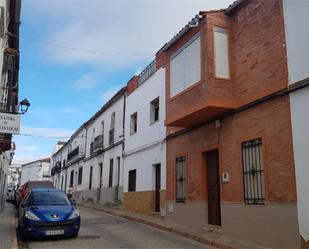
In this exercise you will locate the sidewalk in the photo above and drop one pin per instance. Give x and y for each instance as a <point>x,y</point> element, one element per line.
<point>200,235</point>
<point>8,238</point>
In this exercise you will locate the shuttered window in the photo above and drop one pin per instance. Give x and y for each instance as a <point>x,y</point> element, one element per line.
<point>254,192</point>
<point>185,66</point>
<point>222,67</point>
<point>180,179</point>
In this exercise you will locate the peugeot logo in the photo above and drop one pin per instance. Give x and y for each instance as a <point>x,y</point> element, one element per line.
<point>54,216</point>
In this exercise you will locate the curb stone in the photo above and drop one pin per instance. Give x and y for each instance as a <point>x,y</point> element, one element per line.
<point>220,242</point>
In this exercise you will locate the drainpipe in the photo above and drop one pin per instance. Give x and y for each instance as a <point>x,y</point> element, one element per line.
<point>123,129</point>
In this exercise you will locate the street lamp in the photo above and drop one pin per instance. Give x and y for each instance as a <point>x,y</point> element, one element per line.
<point>24,105</point>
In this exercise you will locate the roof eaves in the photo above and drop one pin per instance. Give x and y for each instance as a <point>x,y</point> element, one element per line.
<point>108,104</point>
<point>181,33</point>
<point>233,6</point>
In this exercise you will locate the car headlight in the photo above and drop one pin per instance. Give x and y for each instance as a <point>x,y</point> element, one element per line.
<point>31,216</point>
<point>74,214</point>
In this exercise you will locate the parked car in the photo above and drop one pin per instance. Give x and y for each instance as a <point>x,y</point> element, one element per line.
<point>29,185</point>
<point>48,213</point>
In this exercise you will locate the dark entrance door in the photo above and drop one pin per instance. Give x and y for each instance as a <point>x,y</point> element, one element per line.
<point>158,187</point>
<point>213,187</point>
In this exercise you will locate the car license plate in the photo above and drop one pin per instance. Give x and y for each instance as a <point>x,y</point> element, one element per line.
<point>54,232</point>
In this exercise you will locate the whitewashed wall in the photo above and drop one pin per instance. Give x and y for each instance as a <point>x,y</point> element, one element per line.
<point>297,43</point>
<point>30,172</point>
<point>146,147</point>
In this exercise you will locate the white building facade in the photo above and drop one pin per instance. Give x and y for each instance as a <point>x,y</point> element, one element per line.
<point>35,171</point>
<point>103,163</point>
<point>297,40</point>
<point>91,161</point>
<point>145,152</point>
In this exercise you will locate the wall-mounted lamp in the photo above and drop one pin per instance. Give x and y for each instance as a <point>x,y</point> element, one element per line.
<point>24,105</point>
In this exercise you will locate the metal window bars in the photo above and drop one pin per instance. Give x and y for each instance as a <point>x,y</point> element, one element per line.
<point>254,192</point>
<point>180,179</point>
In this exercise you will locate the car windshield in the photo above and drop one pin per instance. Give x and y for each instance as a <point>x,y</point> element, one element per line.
<point>46,198</point>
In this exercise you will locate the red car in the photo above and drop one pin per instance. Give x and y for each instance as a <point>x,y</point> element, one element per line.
<point>24,189</point>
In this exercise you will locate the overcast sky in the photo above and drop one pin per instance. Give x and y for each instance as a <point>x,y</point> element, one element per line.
<point>65,85</point>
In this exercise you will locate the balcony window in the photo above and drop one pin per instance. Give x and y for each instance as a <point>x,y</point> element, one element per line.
<point>154,110</point>
<point>111,136</point>
<point>185,66</point>
<point>133,123</point>
<point>221,53</point>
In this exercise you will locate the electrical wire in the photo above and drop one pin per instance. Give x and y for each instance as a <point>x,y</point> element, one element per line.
<point>87,50</point>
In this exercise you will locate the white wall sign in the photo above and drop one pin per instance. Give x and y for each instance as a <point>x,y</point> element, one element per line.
<point>9,123</point>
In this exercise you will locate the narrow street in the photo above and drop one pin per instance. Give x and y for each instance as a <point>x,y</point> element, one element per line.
<point>100,230</point>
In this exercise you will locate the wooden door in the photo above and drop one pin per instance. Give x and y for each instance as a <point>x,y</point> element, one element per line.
<point>213,188</point>
<point>158,187</point>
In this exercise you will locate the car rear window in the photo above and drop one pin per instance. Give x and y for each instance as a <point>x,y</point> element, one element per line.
<point>35,185</point>
<point>46,198</point>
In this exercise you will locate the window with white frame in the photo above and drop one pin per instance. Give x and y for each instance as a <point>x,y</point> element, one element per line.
<point>154,110</point>
<point>185,66</point>
<point>221,51</point>
<point>133,123</point>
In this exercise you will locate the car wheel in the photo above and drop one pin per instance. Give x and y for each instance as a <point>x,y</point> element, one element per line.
<point>75,235</point>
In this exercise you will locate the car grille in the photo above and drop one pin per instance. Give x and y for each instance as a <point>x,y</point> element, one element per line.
<point>47,226</point>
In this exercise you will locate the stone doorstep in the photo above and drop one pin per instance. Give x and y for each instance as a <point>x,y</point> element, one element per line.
<point>208,238</point>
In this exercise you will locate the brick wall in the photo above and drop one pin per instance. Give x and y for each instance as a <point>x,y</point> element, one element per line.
<point>258,54</point>
<point>269,121</point>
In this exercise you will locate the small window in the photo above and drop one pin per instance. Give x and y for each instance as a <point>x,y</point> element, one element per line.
<point>154,110</point>
<point>221,52</point>
<point>111,171</point>
<point>180,179</point>
<point>132,181</point>
<point>253,172</point>
<point>90,178</point>
<point>133,123</point>
<point>80,175</point>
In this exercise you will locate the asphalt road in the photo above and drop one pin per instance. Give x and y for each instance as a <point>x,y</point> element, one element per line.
<point>101,230</point>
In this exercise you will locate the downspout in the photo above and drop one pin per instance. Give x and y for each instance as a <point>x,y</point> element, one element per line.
<point>123,127</point>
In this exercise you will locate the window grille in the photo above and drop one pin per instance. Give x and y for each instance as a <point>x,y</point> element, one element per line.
<point>180,179</point>
<point>254,192</point>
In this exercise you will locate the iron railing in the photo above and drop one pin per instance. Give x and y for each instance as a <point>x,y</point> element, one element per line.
<point>97,144</point>
<point>75,153</point>
<point>147,73</point>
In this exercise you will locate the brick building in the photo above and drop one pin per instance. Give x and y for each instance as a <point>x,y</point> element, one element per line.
<point>230,165</point>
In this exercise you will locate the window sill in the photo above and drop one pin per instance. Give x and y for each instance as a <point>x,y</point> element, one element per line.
<point>153,122</point>
<point>184,91</point>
